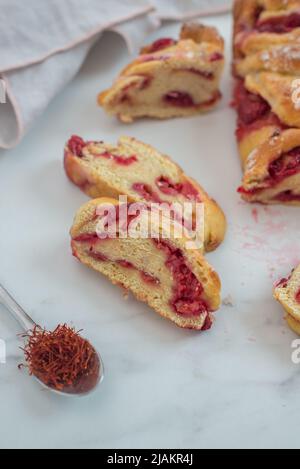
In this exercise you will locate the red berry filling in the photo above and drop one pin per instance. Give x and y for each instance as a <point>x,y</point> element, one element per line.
<point>253,111</point>
<point>87,238</point>
<point>279,24</point>
<point>146,277</point>
<point>187,292</point>
<point>161,44</point>
<point>126,264</point>
<point>179,98</point>
<point>146,192</point>
<point>297,296</point>
<point>76,144</point>
<point>287,196</point>
<point>121,160</point>
<point>287,165</point>
<point>168,187</point>
<point>98,256</point>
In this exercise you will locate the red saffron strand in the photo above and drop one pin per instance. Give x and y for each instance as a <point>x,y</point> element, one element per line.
<point>61,359</point>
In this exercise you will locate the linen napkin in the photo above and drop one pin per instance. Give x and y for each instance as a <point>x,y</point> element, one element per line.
<point>43,44</point>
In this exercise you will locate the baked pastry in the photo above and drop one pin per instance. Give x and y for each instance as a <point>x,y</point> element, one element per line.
<point>287,292</point>
<point>267,70</point>
<point>176,282</point>
<point>140,172</point>
<point>170,78</point>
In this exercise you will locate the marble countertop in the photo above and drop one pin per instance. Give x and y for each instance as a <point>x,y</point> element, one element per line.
<point>234,386</point>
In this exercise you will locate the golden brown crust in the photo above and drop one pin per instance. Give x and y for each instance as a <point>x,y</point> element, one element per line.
<point>200,33</point>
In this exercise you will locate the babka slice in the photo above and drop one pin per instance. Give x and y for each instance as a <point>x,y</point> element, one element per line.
<point>140,172</point>
<point>170,78</point>
<point>176,281</point>
<point>287,292</point>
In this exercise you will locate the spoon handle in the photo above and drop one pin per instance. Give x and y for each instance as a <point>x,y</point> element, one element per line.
<point>15,309</point>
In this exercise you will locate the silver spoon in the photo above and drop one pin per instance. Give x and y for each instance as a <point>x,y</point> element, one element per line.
<point>27,324</point>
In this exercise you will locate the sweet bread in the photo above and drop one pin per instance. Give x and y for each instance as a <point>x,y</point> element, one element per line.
<point>140,172</point>
<point>176,282</point>
<point>287,292</point>
<point>170,78</point>
<point>267,70</point>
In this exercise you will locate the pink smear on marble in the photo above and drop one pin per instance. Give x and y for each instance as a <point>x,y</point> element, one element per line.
<point>254,213</point>
<point>270,238</point>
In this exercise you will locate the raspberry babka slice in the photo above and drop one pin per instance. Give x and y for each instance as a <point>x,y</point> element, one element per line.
<point>170,78</point>
<point>140,172</point>
<point>267,95</point>
<point>176,281</point>
<point>287,292</point>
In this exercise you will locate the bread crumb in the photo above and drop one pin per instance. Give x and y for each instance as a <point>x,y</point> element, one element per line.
<point>228,301</point>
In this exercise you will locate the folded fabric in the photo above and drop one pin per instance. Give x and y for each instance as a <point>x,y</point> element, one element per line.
<point>52,39</point>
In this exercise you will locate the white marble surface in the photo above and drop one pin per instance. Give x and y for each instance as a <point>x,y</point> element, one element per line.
<point>234,386</point>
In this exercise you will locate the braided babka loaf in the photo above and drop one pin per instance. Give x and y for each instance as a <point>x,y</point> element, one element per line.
<point>287,292</point>
<point>140,172</point>
<point>170,78</point>
<point>267,98</point>
<point>176,281</point>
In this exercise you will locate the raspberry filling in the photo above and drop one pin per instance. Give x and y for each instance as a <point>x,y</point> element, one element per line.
<point>161,44</point>
<point>250,107</point>
<point>216,56</point>
<point>76,144</point>
<point>126,264</point>
<point>146,192</point>
<point>179,98</point>
<point>93,238</point>
<point>297,296</point>
<point>98,256</point>
<point>287,196</point>
<point>201,73</point>
<point>279,24</point>
<point>282,283</point>
<point>286,165</point>
<point>188,291</point>
<point>166,186</point>
<point>146,277</point>
<point>253,111</point>
<point>121,160</point>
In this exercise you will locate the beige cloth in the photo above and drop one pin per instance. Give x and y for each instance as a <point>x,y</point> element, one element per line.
<point>44,43</point>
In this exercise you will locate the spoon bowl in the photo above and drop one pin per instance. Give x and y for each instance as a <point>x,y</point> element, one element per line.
<point>28,324</point>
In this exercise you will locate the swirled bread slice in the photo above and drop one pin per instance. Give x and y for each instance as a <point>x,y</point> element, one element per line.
<point>287,292</point>
<point>140,172</point>
<point>170,78</point>
<point>175,281</point>
<point>267,70</point>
